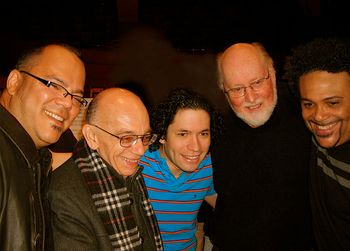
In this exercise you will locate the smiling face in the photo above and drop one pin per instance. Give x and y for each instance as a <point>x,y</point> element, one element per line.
<point>187,141</point>
<point>43,113</point>
<point>241,65</point>
<point>325,99</point>
<point>121,113</point>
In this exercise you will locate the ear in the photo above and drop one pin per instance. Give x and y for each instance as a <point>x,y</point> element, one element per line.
<point>13,82</point>
<point>162,140</point>
<point>272,72</point>
<point>90,136</point>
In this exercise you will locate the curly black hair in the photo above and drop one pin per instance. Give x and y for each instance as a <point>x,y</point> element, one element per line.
<point>164,113</point>
<point>322,54</point>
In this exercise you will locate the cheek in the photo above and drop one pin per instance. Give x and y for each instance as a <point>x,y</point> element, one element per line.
<point>236,102</point>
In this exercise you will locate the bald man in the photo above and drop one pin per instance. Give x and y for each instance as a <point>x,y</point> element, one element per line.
<point>98,197</point>
<point>261,162</point>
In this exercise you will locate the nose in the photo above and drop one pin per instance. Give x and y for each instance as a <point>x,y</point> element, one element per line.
<point>194,143</point>
<point>320,113</point>
<point>139,148</point>
<point>65,100</point>
<point>250,95</point>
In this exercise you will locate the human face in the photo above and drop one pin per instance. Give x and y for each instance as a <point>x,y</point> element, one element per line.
<point>255,107</point>
<point>325,100</point>
<point>187,141</point>
<point>43,113</point>
<point>132,121</point>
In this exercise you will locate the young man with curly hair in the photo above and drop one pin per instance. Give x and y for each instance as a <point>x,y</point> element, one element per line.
<point>178,170</point>
<point>320,71</point>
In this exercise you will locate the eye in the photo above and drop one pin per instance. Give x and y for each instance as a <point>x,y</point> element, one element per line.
<point>205,134</point>
<point>307,105</point>
<point>256,83</point>
<point>55,86</point>
<point>333,103</point>
<point>128,139</point>
<point>79,99</point>
<point>237,89</point>
<point>182,134</point>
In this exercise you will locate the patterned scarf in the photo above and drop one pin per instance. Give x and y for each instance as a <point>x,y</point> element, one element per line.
<point>113,201</point>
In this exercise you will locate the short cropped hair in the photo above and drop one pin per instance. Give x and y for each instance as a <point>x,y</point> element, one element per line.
<point>27,58</point>
<point>322,54</point>
<point>164,113</point>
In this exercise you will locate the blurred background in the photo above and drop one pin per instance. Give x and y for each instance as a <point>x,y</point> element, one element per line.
<point>152,46</point>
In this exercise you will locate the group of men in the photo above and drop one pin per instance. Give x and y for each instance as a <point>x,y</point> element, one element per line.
<point>135,182</point>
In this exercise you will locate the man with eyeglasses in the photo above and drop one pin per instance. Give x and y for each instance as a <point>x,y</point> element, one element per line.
<point>260,163</point>
<point>98,197</point>
<point>34,112</point>
<point>177,167</point>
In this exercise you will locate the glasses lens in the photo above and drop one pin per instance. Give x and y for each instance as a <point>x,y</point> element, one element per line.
<point>128,140</point>
<point>149,139</point>
<point>79,101</point>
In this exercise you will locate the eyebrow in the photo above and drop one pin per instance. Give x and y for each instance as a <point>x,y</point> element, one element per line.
<point>325,99</point>
<point>61,82</point>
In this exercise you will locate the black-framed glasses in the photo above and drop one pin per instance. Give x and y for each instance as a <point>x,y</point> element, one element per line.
<point>240,91</point>
<point>77,100</point>
<point>130,140</point>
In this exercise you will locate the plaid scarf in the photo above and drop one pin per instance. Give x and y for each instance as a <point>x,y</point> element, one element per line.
<point>113,201</point>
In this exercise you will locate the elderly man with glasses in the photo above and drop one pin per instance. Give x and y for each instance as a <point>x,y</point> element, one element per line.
<point>98,197</point>
<point>261,162</point>
<point>34,112</point>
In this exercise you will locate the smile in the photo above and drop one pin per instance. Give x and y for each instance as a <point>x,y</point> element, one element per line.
<point>134,161</point>
<point>326,127</point>
<point>253,107</point>
<point>191,158</point>
<point>52,115</point>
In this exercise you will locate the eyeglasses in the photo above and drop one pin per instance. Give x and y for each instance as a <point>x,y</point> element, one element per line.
<point>77,100</point>
<point>240,91</point>
<point>130,140</point>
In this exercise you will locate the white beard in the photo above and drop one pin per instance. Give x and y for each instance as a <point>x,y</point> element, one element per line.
<point>260,117</point>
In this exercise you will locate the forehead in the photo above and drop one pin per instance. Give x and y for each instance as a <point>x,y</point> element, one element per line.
<point>125,117</point>
<point>242,67</point>
<point>191,118</point>
<point>321,85</point>
<point>58,60</point>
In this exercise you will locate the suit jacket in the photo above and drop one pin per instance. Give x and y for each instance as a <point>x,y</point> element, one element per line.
<point>76,223</point>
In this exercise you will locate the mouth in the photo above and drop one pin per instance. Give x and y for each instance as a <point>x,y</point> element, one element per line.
<point>54,116</point>
<point>192,158</point>
<point>324,130</point>
<point>253,107</point>
<point>131,161</point>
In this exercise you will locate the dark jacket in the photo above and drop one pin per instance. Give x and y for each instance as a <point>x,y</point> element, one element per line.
<point>76,222</point>
<point>22,219</point>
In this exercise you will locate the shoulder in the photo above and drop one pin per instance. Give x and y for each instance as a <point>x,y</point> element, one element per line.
<point>66,176</point>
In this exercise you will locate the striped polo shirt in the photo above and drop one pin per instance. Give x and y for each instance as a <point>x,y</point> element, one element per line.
<point>176,201</point>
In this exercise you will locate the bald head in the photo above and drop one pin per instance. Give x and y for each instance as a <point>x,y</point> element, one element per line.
<point>241,59</point>
<point>114,114</point>
<point>113,101</point>
<point>248,78</point>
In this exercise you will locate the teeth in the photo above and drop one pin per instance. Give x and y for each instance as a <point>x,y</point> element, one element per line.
<point>131,160</point>
<point>253,106</point>
<point>54,116</point>
<point>325,127</point>
<point>192,157</point>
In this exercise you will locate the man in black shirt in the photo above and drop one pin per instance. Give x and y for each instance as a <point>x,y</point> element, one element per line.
<point>320,70</point>
<point>260,165</point>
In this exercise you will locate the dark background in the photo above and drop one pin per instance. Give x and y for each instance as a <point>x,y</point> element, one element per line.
<point>156,45</point>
